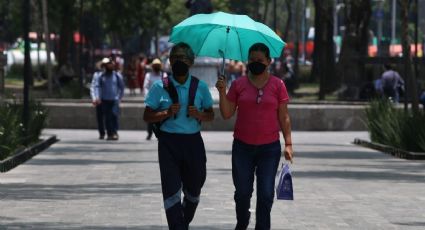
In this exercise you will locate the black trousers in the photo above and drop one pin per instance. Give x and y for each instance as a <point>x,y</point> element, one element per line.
<point>182,162</point>
<point>100,117</point>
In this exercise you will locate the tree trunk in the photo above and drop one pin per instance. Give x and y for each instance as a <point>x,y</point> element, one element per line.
<point>411,86</point>
<point>47,41</point>
<point>266,10</point>
<point>297,40</point>
<point>65,32</point>
<point>288,20</point>
<point>354,47</point>
<point>324,51</point>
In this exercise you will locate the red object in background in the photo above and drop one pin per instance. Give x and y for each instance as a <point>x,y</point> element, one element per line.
<point>77,38</point>
<point>309,48</point>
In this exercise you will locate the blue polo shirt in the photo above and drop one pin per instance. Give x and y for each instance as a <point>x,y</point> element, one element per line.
<point>159,99</point>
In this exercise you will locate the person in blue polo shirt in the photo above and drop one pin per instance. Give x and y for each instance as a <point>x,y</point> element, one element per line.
<point>181,150</point>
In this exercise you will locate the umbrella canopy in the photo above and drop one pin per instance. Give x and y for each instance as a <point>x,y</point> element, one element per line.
<point>224,35</point>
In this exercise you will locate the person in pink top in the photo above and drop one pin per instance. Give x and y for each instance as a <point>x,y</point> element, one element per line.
<point>260,100</point>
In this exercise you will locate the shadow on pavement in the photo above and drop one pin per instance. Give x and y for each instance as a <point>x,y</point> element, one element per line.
<point>82,162</point>
<point>72,226</point>
<point>75,191</point>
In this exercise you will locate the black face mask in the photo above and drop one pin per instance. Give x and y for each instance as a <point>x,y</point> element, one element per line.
<point>256,68</point>
<point>180,68</point>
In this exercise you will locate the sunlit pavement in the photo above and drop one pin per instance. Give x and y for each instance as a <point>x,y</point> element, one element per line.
<point>85,183</point>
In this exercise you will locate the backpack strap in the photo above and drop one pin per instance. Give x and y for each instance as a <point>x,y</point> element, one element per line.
<point>192,90</point>
<point>168,85</point>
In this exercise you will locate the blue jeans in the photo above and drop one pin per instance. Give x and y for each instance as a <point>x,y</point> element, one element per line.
<point>111,111</point>
<point>263,160</point>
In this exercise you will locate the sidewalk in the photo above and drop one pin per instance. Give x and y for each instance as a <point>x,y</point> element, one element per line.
<point>85,183</point>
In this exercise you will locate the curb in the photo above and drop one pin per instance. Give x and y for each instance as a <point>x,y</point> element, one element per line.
<point>400,153</point>
<point>23,155</point>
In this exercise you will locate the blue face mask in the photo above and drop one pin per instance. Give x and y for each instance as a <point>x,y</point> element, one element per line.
<point>256,68</point>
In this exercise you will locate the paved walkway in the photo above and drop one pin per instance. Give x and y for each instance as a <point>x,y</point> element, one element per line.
<point>85,183</point>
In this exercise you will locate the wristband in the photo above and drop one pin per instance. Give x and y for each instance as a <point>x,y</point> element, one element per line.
<point>290,144</point>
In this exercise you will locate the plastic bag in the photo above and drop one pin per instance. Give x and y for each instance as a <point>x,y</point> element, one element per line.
<point>284,190</point>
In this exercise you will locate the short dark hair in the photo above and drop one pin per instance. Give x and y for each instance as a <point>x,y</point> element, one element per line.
<point>260,47</point>
<point>187,49</point>
<point>388,66</point>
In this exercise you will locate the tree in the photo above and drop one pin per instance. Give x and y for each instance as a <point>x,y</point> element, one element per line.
<point>47,41</point>
<point>324,54</point>
<point>354,46</point>
<point>411,86</point>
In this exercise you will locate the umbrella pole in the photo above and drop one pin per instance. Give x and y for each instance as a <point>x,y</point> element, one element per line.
<point>224,53</point>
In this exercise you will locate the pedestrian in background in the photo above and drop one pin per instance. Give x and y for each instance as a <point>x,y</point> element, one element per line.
<point>181,150</point>
<point>109,90</point>
<point>100,118</point>
<point>392,83</point>
<point>130,73</point>
<point>141,71</point>
<point>260,100</point>
<point>155,75</point>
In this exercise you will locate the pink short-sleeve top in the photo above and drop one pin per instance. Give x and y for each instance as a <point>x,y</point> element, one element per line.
<point>257,119</point>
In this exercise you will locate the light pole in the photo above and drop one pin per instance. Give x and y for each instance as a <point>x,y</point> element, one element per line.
<point>379,14</point>
<point>27,67</point>
<point>393,20</point>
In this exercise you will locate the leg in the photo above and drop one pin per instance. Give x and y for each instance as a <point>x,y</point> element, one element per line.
<point>115,116</point>
<point>170,168</point>
<point>243,179</point>
<point>100,120</point>
<point>267,163</point>
<point>107,111</point>
<point>150,131</point>
<point>194,174</point>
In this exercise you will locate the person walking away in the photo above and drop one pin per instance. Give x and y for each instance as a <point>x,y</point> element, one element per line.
<point>156,75</point>
<point>180,103</point>
<point>96,101</point>
<point>260,100</point>
<point>131,76</point>
<point>141,71</point>
<point>392,83</point>
<point>110,90</point>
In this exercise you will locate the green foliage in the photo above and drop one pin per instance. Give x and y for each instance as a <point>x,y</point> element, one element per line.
<point>394,127</point>
<point>12,131</point>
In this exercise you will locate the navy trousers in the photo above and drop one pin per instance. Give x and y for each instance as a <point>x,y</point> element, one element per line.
<point>111,110</point>
<point>263,161</point>
<point>182,162</point>
<point>100,120</point>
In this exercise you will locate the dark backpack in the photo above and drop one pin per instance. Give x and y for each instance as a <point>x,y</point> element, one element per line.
<point>171,89</point>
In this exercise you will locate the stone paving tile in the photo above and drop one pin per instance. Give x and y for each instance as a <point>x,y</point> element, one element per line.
<point>85,183</point>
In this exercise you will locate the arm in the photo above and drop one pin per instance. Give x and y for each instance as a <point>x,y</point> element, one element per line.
<point>146,84</point>
<point>227,108</point>
<point>206,115</point>
<point>153,116</point>
<point>95,89</point>
<point>285,126</point>
<point>121,86</point>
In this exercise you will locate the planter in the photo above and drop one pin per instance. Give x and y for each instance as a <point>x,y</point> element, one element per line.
<point>400,153</point>
<point>26,154</point>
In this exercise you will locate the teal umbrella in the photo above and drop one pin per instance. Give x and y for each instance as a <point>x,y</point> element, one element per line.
<point>224,35</point>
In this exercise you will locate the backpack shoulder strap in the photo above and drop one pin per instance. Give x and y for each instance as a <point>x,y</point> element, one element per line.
<point>192,90</point>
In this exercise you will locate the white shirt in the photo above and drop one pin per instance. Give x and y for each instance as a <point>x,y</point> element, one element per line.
<point>150,78</point>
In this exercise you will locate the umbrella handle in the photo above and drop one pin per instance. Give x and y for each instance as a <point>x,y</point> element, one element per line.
<point>222,67</point>
<point>224,53</point>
